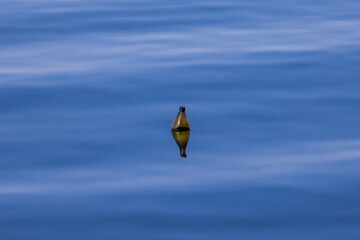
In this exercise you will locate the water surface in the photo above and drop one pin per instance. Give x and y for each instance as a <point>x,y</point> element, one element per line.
<point>89,89</point>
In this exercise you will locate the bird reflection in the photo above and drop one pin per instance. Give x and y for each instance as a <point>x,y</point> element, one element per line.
<point>180,130</point>
<point>181,138</point>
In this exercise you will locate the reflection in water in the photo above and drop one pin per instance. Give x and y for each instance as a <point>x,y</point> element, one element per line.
<point>181,130</point>
<point>181,138</point>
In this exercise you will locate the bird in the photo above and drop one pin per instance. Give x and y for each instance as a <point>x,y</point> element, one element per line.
<point>180,130</point>
<point>181,121</point>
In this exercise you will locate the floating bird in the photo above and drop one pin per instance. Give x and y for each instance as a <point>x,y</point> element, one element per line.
<point>180,130</point>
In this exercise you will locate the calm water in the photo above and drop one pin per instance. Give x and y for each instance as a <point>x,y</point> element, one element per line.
<point>89,89</point>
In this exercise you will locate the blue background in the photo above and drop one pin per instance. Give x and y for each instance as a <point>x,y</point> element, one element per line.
<point>89,89</point>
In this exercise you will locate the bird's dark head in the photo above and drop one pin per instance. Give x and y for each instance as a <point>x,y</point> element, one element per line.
<point>182,109</point>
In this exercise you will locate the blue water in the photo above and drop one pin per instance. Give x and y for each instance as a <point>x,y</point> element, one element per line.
<point>89,89</point>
